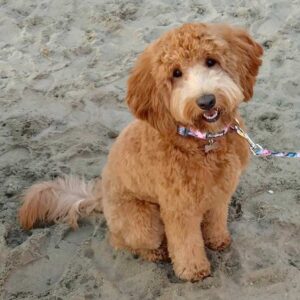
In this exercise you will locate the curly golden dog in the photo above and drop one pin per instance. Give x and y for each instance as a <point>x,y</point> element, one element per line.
<point>170,175</point>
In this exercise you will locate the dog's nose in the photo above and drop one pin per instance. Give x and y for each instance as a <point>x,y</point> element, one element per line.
<point>207,102</point>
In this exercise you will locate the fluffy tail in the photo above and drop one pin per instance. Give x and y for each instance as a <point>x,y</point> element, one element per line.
<point>61,200</point>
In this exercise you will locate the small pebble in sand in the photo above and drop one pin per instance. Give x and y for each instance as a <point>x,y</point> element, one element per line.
<point>45,51</point>
<point>89,253</point>
<point>112,134</point>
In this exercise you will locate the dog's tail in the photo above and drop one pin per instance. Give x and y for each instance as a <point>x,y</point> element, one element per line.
<point>61,200</point>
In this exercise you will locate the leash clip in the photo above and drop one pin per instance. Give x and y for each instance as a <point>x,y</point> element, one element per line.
<point>253,146</point>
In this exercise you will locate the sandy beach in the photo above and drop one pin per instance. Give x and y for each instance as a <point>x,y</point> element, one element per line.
<point>63,71</point>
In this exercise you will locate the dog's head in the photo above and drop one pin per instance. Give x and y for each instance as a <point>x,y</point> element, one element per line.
<point>196,76</point>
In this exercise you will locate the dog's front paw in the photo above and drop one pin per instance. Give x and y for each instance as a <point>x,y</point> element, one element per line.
<point>193,271</point>
<point>218,242</point>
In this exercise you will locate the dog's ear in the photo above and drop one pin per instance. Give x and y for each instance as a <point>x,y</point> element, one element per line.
<point>147,95</point>
<point>249,53</point>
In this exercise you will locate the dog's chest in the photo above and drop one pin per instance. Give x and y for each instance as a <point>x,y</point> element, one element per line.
<point>214,168</point>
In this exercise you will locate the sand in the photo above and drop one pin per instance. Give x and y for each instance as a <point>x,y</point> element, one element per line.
<point>63,72</point>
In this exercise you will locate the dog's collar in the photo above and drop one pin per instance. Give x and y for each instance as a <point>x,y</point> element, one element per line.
<point>184,131</point>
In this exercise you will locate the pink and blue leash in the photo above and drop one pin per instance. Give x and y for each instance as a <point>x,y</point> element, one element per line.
<point>258,150</point>
<point>267,152</point>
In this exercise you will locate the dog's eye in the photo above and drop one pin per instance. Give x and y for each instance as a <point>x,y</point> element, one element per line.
<point>210,62</point>
<point>177,73</point>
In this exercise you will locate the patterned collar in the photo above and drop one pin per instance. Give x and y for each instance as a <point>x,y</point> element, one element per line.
<point>183,131</point>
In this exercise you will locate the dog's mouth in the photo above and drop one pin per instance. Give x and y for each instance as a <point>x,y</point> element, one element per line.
<point>211,116</point>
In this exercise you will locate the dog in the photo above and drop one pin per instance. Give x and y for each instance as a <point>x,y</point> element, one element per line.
<point>165,195</point>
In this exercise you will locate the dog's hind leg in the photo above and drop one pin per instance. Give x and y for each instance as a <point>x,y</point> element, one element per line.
<point>154,255</point>
<point>136,225</point>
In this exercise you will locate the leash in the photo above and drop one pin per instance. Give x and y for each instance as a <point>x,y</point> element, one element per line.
<point>256,149</point>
